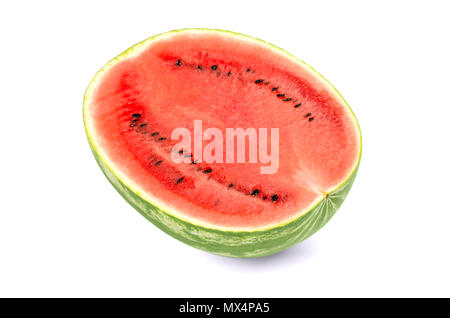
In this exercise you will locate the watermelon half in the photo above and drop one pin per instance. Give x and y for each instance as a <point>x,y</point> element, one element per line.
<point>225,80</point>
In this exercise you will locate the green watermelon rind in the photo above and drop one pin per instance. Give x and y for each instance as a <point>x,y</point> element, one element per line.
<point>233,243</point>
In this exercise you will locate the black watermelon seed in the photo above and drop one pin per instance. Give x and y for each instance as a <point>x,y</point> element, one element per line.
<point>134,120</point>
<point>248,70</point>
<point>255,192</point>
<point>209,170</point>
<point>274,198</point>
<point>308,114</point>
<point>230,185</point>
<point>179,180</point>
<point>229,73</point>
<point>200,67</point>
<point>136,115</point>
<point>274,89</point>
<point>162,138</point>
<point>214,67</point>
<point>298,105</point>
<point>280,95</point>
<point>178,63</point>
<point>180,151</point>
<point>311,119</point>
<point>142,125</point>
<point>265,197</point>
<point>157,163</point>
<point>155,134</point>
<point>287,99</point>
<point>259,81</point>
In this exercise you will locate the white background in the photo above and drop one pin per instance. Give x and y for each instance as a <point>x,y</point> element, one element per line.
<point>64,230</point>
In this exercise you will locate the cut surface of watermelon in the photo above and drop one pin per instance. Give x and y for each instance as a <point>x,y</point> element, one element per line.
<point>225,80</point>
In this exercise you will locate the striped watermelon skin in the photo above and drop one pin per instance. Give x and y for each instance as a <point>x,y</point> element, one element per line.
<point>245,244</point>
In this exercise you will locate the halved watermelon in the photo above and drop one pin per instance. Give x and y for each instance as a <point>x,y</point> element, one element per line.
<point>225,80</point>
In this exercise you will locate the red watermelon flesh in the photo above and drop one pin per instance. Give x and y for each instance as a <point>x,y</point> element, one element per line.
<point>226,81</point>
